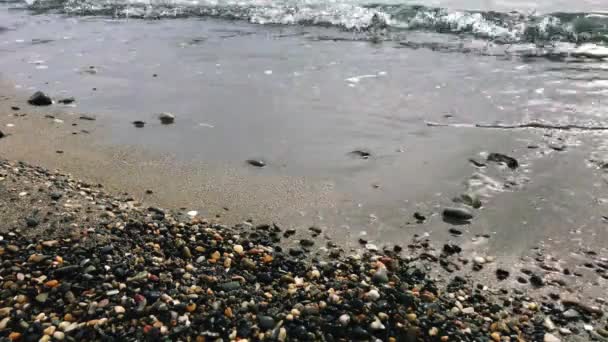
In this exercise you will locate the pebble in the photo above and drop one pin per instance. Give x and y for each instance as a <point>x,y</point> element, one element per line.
<point>372,295</point>
<point>266,322</point>
<point>380,276</point>
<point>457,214</point>
<point>58,335</point>
<point>479,260</point>
<point>256,162</point>
<point>344,319</point>
<point>119,309</point>
<point>166,118</point>
<point>40,99</point>
<point>238,249</point>
<point>571,313</point>
<point>550,338</point>
<point>548,324</point>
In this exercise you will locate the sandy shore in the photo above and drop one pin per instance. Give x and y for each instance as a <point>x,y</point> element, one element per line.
<point>79,264</point>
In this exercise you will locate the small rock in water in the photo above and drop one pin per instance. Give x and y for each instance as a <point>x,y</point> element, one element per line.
<point>537,280</point>
<point>503,158</point>
<point>470,199</point>
<point>67,100</point>
<point>450,249</point>
<point>166,118</point>
<point>2,135</point>
<point>87,117</point>
<point>40,99</point>
<point>419,217</point>
<point>139,124</point>
<point>361,154</point>
<point>479,260</point>
<point>502,274</point>
<point>476,163</point>
<point>457,214</point>
<point>256,162</point>
<point>15,108</point>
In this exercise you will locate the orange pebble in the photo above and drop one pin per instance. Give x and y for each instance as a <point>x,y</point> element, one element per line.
<point>52,283</point>
<point>14,336</point>
<point>228,312</point>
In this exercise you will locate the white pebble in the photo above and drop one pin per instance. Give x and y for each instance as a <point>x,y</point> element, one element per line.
<point>344,319</point>
<point>192,213</point>
<point>372,295</point>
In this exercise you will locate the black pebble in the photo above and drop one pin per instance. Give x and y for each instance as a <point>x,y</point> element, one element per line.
<point>502,274</point>
<point>256,162</point>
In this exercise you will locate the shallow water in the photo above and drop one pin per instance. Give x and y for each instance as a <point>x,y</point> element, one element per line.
<point>302,97</point>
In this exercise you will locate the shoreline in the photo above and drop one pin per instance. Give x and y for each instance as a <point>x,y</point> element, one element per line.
<point>87,265</point>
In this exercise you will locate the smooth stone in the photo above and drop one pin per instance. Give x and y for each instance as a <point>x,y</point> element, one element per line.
<point>31,222</point>
<point>166,118</point>
<point>266,322</point>
<point>536,281</point>
<point>457,214</point>
<point>479,260</point>
<point>230,286</point>
<point>502,274</point>
<point>40,99</point>
<point>548,324</point>
<point>256,162</point>
<point>55,195</point>
<point>41,298</point>
<point>550,338</point>
<point>381,276</point>
<point>571,313</point>
<point>67,100</point>
<point>344,319</point>
<point>87,118</point>
<point>360,154</point>
<point>139,123</point>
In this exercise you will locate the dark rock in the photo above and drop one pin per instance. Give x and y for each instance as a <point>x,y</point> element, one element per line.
<point>522,280</point>
<point>307,243</point>
<point>107,249</point>
<point>450,249</point>
<point>502,274</point>
<point>67,100</point>
<point>229,286</point>
<point>15,108</point>
<point>266,322</point>
<point>87,117</point>
<point>256,162</point>
<point>455,231</point>
<point>289,232</point>
<point>2,135</point>
<point>457,215</point>
<point>139,124</point>
<point>419,217</point>
<point>56,195</point>
<point>476,163</point>
<point>40,99</point>
<point>166,118</point>
<point>360,154</point>
<point>315,230</point>
<point>381,276</point>
<point>537,281</point>
<point>502,158</point>
<point>31,222</point>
